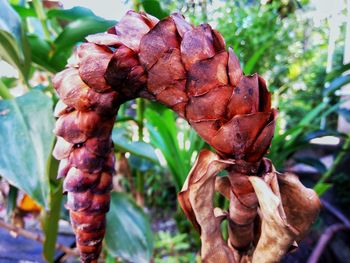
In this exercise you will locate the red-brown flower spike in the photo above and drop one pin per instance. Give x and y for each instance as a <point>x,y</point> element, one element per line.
<point>189,69</point>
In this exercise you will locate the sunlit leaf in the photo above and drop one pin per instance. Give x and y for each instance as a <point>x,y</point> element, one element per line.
<point>154,8</point>
<point>9,82</point>
<point>13,48</point>
<point>77,30</point>
<point>128,233</point>
<point>162,131</point>
<point>24,12</point>
<point>26,140</point>
<point>249,66</point>
<point>17,2</point>
<point>70,14</point>
<point>165,134</point>
<point>337,72</point>
<point>321,188</point>
<point>138,148</point>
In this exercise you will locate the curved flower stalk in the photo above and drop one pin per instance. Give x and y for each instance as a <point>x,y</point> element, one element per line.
<point>188,69</point>
<point>286,211</point>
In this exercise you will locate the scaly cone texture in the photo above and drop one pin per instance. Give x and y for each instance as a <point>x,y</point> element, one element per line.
<point>189,70</point>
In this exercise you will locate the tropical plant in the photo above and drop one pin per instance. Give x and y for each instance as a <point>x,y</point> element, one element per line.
<point>37,38</point>
<point>174,138</point>
<point>189,70</point>
<point>173,248</point>
<point>287,142</point>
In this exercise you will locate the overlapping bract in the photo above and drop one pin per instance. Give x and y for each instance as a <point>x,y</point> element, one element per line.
<point>189,70</point>
<point>84,146</point>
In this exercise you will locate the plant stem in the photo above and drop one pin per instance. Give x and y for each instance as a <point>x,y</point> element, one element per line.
<point>125,119</point>
<point>36,237</point>
<point>345,148</point>
<point>140,116</point>
<point>50,221</point>
<point>4,92</point>
<point>11,201</point>
<point>51,217</point>
<point>39,9</point>
<point>140,180</point>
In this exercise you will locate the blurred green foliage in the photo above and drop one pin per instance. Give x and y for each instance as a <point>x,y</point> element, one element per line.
<point>173,249</point>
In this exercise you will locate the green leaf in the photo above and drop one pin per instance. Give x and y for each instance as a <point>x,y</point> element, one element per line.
<point>313,162</point>
<point>26,140</point>
<point>321,188</point>
<point>345,113</point>
<point>13,47</point>
<point>128,233</point>
<point>314,113</point>
<point>249,66</point>
<point>51,217</point>
<point>138,148</point>
<point>165,134</point>
<point>162,137</point>
<point>40,53</point>
<point>154,8</point>
<point>4,90</point>
<point>17,2</point>
<point>9,50</point>
<point>337,72</point>
<point>9,82</point>
<point>321,133</point>
<point>50,222</point>
<point>11,201</point>
<point>77,30</point>
<point>74,13</point>
<point>282,148</point>
<point>109,257</point>
<point>24,12</point>
<point>336,84</point>
<point>310,117</point>
<point>60,57</point>
<point>10,21</point>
